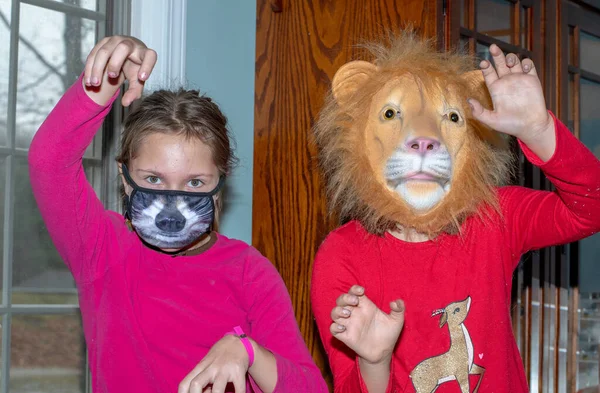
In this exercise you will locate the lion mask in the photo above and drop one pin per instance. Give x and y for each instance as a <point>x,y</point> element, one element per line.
<point>398,144</point>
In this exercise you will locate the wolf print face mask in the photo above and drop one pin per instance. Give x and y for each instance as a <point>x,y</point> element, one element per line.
<point>170,219</point>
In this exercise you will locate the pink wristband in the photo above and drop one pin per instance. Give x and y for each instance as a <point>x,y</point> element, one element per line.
<point>239,333</point>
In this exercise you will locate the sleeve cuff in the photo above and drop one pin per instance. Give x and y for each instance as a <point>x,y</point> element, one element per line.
<point>559,133</point>
<point>363,386</point>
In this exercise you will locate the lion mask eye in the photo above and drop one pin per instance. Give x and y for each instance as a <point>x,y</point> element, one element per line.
<point>454,117</point>
<point>390,114</point>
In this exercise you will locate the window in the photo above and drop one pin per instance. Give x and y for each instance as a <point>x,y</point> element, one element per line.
<point>43,46</point>
<point>540,294</point>
<point>580,80</point>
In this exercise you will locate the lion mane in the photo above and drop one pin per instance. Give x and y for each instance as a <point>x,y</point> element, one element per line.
<point>353,189</point>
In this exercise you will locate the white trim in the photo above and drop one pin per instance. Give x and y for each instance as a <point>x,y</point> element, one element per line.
<point>161,24</point>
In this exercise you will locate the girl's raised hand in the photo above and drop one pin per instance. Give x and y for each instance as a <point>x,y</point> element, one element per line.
<point>113,61</point>
<point>226,362</point>
<point>519,104</point>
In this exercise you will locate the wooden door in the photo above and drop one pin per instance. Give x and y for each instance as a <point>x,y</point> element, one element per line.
<point>299,46</point>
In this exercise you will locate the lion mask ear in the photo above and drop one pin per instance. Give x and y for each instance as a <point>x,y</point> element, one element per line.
<point>350,77</point>
<point>478,88</point>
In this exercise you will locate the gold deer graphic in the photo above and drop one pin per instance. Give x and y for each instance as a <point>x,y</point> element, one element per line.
<point>456,364</point>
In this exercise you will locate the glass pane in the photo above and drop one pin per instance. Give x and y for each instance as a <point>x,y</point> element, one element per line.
<point>493,18</point>
<point>590,118</point>
<point>589,334</point>
<point>593,3</point>
<point>589,250</point>
<point>49,63</point>
<point>39,273</point>
<point>483,53</point>
<point>47,354</point>
<point>525,26</point>
<point>589,52</point>
<point>87,4</point>
<point>5,11</point>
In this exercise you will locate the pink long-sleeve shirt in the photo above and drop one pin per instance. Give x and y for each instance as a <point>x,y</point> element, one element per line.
<point>149,318</point>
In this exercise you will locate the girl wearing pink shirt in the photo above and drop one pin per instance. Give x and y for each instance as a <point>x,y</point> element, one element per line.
<point>168,304</point>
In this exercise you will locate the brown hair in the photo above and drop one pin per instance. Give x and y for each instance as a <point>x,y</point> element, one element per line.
<point>181,112</point>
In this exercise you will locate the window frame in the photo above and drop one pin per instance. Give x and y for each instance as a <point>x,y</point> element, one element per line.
<point>574,17</point>
<point>116,17</point>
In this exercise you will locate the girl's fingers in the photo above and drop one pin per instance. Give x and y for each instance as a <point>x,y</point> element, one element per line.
<point>89,62</point>
<point>357,290</point>
<point>100,62</point>
<point>499,60</point>
<point>336,328</point>
<point>118,57</point>
<point>184,385</point>
<point>148,57</point>
<point>489,73</point>
<point>347,300</point>
<point>340,312</point>
<point>134,91</point>
<point>397,305</point>
<point>482,114</point>
<point>220,383</point>
<point>240,384</point>
<point>529,67</point>
<point>514,63</point>
<point>198,384</point>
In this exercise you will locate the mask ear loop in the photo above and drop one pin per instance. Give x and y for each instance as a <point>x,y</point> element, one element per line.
<point>212,201</point>
<point>128,198</point>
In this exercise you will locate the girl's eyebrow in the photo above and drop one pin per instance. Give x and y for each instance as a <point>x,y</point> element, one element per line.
<point>158,174</point>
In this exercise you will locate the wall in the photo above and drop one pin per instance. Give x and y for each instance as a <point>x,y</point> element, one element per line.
<point>220,55</point>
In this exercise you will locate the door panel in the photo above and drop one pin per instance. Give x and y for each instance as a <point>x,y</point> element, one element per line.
<point>299,46</point>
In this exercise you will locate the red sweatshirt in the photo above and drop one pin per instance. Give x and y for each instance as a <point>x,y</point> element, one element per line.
<point>149,318</point>
<point>471,274</point>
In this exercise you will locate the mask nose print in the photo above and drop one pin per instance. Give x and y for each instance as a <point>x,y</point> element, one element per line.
<point>170,220</point>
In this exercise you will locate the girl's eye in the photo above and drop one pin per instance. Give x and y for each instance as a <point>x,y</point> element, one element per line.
<point>454,117</point>
<point>195,183</point>
<point>153,179</point>
<point>389,114</point>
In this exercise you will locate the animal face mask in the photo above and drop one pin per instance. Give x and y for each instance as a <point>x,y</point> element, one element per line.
<point>398,145</point>
<point>169,219</point>
<point>414,139</point>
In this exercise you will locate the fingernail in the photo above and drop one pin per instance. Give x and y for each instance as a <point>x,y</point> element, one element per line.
<point>87,81</point>
<point>345,312</point>
<point>526,67</point>
<point>340,327</point>
<point>143,76</point>
<point>112,74</point>
<point>95,80</point>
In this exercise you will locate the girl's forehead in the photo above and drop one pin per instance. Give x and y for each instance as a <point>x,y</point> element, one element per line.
<point>168,153</point>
